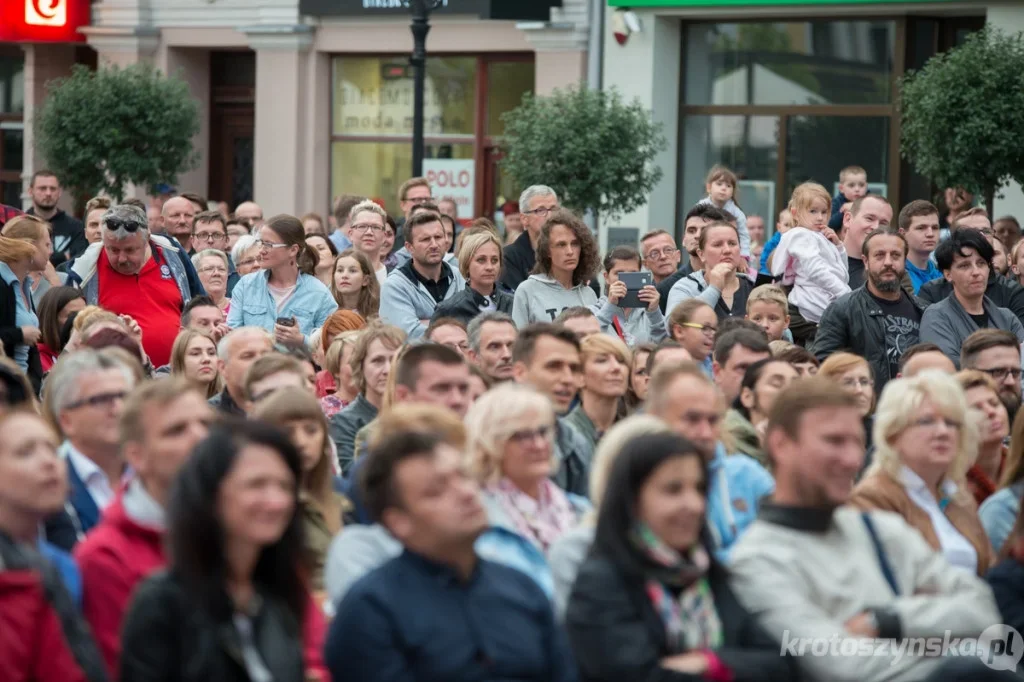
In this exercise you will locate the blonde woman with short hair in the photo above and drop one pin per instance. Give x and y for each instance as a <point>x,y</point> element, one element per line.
<point>606,367</point>
<point>480,261</point>
<point>926,437</point>
<point>510,452</point>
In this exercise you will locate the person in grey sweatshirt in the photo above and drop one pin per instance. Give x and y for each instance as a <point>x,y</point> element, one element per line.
<point>635,325</point>
<point>567,259</point>
<point>412,291</point>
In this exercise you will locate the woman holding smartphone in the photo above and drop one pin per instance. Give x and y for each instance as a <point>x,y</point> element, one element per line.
<point>631,324</point>
<point>285,297</point>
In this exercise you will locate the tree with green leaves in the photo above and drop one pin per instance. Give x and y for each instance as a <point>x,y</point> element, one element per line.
<point>963,115</point>
<point>592,148</point>
<point>101,130</point>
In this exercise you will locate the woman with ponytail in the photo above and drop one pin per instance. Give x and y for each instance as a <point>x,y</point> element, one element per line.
<point>285,297</point>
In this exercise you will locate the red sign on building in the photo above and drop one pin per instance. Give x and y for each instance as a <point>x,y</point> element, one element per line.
<point>43,21</point>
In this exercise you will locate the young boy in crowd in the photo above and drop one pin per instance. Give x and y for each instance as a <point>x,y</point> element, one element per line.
<point>853,184</point>
<point>721,189</point>
<point>768,307</point>
<point>783,226</point>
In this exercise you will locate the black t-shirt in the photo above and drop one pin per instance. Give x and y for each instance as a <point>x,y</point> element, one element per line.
<point>856,268</point>
<point>439,289</point>
<point>902,328</point>
<point>980,320</point>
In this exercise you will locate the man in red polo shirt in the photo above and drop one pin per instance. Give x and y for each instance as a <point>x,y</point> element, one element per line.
<point>132,272</point>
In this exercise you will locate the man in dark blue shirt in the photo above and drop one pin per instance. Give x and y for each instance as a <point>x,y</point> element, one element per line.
<point>438,611</point>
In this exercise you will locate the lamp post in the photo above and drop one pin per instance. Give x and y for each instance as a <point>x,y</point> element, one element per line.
<point>420,28</point>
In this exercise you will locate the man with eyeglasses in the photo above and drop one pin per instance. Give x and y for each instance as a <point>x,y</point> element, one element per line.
<point>132,272</point>
<point>1002,291</point>
<point>450,332</point>
<point>699,216</point>
<point>997,353</point>
<point>535,203</point>
<point>412,193</point>
<point>85,393</point>
<point>660,254</point>
<point>209,231</point>
<point>966,263</point>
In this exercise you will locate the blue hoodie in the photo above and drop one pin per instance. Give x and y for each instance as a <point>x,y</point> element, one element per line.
<point>737,486</point>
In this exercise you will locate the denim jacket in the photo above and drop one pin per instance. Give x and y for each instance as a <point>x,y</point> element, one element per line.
<point>253,306</point>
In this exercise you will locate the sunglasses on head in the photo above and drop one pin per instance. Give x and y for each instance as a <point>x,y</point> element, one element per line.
<point>115,224</point>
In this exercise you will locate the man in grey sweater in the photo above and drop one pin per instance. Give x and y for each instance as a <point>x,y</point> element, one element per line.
<point>854,596</point>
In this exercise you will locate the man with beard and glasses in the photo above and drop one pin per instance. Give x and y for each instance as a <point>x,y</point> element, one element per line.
<point>996,353</point>
<point>966,263</point>
<point>813,569</point>
<point>880,320</point>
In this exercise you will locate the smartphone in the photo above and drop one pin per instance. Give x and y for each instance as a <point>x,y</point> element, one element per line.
<point>286,321</point>
<point>634,281</point>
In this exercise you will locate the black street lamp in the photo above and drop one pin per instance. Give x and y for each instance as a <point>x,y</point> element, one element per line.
<point>420,28</point>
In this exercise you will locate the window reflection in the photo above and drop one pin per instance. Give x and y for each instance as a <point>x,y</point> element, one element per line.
<point>798,63</point>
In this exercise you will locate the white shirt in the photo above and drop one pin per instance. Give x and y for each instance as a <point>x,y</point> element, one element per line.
<point>955,547</point>
<point>817,269</point>
<point>382,274</point>
<point>92,476</point>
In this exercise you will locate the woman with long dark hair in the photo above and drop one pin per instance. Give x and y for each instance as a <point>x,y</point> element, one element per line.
<point>55,307</point>
<point>651,602</point>
<point>285,297</point>
<point>233,604</point>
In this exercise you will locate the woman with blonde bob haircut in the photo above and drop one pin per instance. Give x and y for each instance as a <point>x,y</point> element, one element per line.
<point>568,553</point>
<point>606,368</point>
<point>480,262</point>
<point>510,452</point>
<point>926,438</point>
<point>298,413</point>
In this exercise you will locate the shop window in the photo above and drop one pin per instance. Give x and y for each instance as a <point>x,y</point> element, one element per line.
<point>817,146</point>
<point>800,63</point>
<point>373,96</point>
<point>508,82</point>
<point>747,144</point>
<point>12,84</point>
<point>378,169</point>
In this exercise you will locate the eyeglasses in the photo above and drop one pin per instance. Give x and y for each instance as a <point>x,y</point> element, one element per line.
<point>932,422</point>
<point>247,262</point>
<point>706,329</point>
<point>1000,373</point>
<point>363,227</point>
<point>270,245</point>
<point>99,400</point>
<point>854,382</point>
<point>526,435</point>
<point>209,237</point>
<point>543,211</point>
<point>214,269</point>
<point>115,224</point>
<point>658,254</point>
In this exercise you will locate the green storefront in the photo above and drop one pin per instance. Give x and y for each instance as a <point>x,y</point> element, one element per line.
<point>782,91</point>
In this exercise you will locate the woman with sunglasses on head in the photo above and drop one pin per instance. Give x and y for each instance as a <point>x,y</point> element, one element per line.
<point>285,297</point>
<point>233,603</point>
<point>650,602</point>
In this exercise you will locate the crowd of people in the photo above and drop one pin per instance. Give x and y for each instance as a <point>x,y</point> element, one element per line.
<point>292,448</point>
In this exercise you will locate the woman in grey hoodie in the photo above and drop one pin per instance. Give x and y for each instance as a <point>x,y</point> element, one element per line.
<point>567,259</point>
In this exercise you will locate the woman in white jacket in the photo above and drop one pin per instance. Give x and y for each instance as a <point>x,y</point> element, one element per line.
<point>811,259</point>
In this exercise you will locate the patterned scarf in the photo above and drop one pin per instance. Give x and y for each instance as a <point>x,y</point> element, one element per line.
<point>541,521</point>
<point>691,620</point>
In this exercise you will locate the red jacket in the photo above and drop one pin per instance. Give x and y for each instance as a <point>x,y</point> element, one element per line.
<point>32,642</point>
<point>115,557</point>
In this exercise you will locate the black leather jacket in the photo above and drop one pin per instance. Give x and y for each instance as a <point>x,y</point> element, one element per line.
<point>465,305</point>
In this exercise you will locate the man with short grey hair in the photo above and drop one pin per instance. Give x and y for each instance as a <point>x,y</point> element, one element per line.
<point>491,337</point>
<point>535,204</point>
<point>85,393</point>
<point>236,353</point>
<point>132,272</point>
